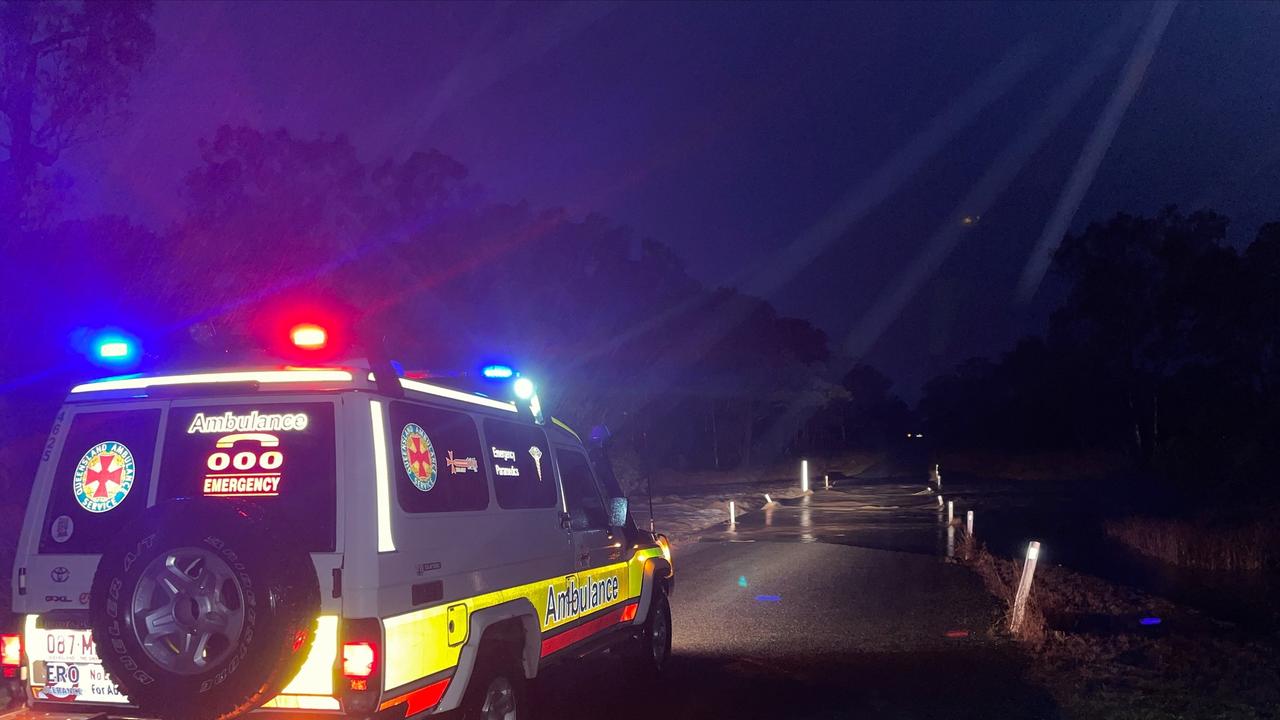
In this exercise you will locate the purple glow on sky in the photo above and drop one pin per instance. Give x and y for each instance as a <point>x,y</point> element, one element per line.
<point>726,131</point>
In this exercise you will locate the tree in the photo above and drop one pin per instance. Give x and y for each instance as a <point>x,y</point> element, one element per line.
<point>872,415</point>
<point>65,70</point>
<point>1141,302</point>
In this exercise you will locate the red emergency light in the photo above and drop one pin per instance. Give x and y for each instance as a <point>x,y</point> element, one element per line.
<point>309,336</point>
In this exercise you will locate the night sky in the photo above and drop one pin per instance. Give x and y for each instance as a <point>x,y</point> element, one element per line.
<point>819,155</point>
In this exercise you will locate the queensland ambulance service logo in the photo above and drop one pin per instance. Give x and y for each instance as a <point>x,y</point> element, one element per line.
<point>103,477</point>
<point>419,456</point>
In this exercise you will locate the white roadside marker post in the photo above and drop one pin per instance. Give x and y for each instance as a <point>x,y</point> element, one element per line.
<point>939,502</point>
<point>768,500</point>
<point>1024,587</point>
<point>951,511</point>
<point>804,476</point>
<point>826,482</point>
<point>968,523</point>
<point>733,516</point>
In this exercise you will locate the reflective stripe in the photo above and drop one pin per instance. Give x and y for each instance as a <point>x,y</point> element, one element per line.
<point>303,702</point>
<point>629,612</point>
<point>417,642</point>
<point>315,677</point>
<point>560,424</point>
<point>452,394</point>
<point>424,698</point>
<point>382,479</point>
<point>261,376</point>
<point>585,630</point>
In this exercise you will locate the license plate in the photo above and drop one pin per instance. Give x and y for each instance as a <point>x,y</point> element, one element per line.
<point>72,671</point>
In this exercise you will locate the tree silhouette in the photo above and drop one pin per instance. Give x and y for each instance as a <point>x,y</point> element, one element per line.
<point>65,70</point>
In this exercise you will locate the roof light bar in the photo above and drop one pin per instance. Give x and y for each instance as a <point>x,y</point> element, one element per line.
<point>438,391</point>
<point>259,376</point>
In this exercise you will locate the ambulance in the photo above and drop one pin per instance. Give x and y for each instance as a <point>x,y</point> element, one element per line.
<point>341,540</point>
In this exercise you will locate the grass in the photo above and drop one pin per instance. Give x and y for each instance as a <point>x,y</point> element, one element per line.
<point>1237,546</point>
<point>1098,661</point>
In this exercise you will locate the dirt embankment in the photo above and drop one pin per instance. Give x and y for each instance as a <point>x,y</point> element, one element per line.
<point>1107,651</point>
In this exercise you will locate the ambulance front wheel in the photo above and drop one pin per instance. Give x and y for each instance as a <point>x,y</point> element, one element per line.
<point>652,648</point>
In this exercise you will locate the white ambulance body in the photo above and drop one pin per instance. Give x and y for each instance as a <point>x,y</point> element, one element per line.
<point>254,541</point>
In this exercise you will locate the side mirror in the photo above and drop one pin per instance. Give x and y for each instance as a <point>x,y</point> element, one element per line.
<point>565,521</point>
<point>617,512</point>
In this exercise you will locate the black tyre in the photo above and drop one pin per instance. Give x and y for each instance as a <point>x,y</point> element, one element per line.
<point>652,647</point>
<point>199,613</point>
<point>497,689</point>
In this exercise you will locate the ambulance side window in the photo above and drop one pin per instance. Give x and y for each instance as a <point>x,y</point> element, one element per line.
<point>439,463</point>
<point>100,483</point>
<point>581,497</point>
<point>522,475</point>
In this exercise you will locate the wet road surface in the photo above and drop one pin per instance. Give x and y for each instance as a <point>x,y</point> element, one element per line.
<point>785,616</point>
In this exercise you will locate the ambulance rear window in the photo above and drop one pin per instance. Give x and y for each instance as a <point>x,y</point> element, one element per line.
<point>280,456</point>
<point>101,481</point>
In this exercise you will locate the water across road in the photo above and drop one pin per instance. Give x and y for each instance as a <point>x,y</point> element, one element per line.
<point>833,605</point>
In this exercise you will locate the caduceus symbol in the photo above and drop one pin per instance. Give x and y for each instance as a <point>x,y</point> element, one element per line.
<point>537,460</point>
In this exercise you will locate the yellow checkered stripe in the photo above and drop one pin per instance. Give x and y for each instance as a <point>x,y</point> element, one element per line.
<point>420,643</point>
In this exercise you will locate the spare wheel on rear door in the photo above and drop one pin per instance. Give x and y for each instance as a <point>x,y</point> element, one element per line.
<point>199,613</point>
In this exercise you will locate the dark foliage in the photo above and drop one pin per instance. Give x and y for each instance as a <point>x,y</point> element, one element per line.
<point>1165,349</point>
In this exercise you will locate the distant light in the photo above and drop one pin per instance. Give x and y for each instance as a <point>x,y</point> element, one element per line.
<point>742,581</point>
<point>919,435</point>
<point>1150,621</point>
<point>523,388</point>
<point>957,634</point>
<point>497,372</point>
<point>769,598</point>
<point>308,336</point>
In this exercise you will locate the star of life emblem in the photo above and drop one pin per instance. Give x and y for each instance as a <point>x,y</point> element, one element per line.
<point>536,453</point>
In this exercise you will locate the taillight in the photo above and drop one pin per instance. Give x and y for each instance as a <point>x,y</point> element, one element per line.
<point>360,683</point>
<point>358,660</point>
<point>10,655</point>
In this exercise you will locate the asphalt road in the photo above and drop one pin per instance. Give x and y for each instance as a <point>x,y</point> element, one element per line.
<point>793,619</point>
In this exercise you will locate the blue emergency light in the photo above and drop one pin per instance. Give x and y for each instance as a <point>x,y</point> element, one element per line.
<point>113,348</point>
<point>497,372</point>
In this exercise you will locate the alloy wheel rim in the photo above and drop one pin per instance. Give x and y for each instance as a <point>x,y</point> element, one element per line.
<point>499,700</point>
<point>188,610</point>
<point>658,638</point>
